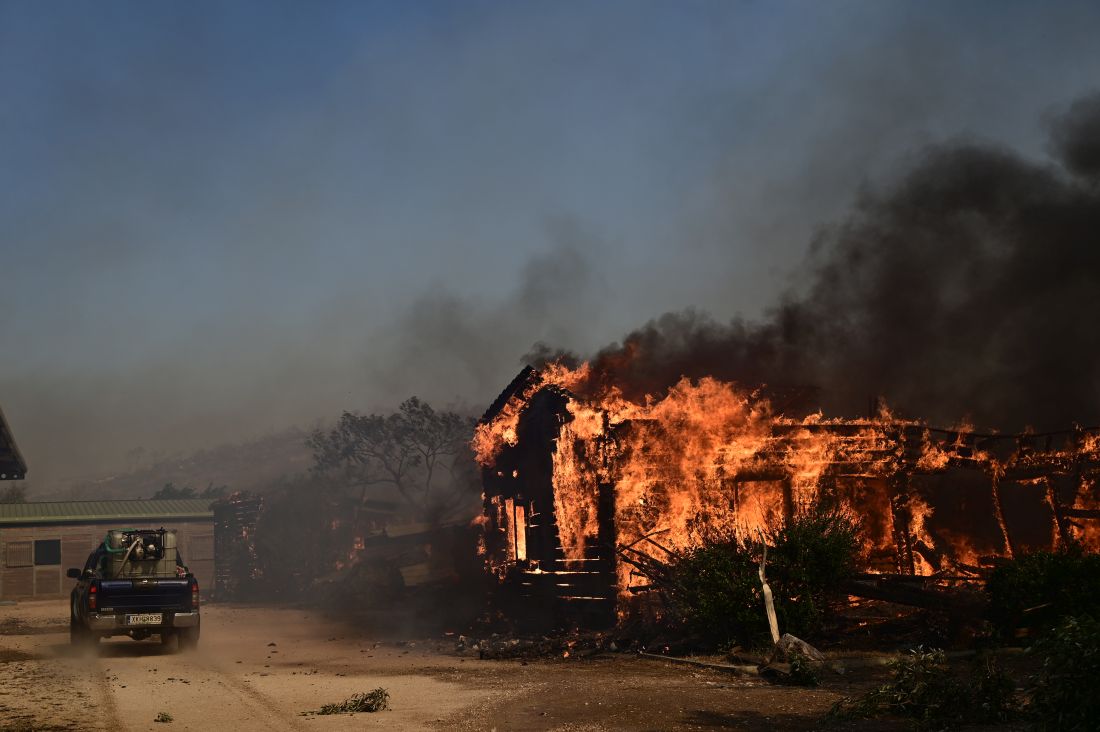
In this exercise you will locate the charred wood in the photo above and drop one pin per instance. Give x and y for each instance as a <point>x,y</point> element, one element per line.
<point>916,595</point>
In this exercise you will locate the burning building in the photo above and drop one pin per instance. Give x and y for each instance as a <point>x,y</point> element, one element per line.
<point>12,465</point>
<point>578,487</point>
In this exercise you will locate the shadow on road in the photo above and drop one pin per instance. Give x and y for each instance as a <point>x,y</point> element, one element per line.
<point>121,648</point>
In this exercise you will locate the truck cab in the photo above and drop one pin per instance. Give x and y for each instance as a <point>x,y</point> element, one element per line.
<point>135,583</point>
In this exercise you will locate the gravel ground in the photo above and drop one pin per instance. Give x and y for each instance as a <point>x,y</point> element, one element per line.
<point>266,668</point>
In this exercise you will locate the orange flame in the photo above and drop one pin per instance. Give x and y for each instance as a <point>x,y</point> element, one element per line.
<point>709,456</point>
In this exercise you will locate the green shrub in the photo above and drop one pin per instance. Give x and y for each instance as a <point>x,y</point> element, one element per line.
<point>716,591</point>
<point>809,558</point>
<point>1039,589</point>
<point>924,689</point>
<point>1063,693</point>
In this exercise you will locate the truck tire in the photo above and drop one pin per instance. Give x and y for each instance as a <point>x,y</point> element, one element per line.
<point>75,634</point>
<point>79,636</point>
<point>188,638</point>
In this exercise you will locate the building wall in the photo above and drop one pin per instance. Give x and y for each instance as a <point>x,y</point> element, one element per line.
<point>23,575</point>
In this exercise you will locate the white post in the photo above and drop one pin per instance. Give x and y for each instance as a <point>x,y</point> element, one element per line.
<point>769,604</point>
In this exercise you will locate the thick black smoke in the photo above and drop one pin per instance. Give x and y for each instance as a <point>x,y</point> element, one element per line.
<point>968,289</point>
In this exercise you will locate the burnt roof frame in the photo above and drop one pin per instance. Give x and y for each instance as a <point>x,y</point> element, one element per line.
<point>12,464</point>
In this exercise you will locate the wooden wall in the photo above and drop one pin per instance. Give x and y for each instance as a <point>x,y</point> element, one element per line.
<point>21,579</point>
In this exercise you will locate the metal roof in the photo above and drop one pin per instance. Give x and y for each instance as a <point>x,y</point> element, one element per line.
<point>96,511</point>
<point>12,465</point>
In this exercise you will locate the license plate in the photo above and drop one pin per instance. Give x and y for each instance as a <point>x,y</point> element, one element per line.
<point>145,619</point>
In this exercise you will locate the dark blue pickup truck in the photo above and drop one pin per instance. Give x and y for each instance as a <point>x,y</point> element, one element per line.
<point>135,584</point>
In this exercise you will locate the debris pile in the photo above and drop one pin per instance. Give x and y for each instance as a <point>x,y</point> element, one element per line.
<point>563,645</point>
<point>372,701</point>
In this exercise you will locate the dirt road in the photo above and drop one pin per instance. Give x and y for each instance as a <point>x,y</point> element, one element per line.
<point>263,668</point>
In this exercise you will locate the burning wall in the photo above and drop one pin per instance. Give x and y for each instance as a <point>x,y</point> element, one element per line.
<point>572,484</point>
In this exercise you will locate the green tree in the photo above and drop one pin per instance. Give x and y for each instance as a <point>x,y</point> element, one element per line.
<point>170,491</point>
<point>715,586</point>
<point>212,491</point>
<point>1039,589</point>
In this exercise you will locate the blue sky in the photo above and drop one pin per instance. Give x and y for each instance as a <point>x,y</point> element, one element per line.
<point>220,219</point>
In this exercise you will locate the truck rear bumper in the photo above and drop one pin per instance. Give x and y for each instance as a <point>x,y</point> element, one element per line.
<point>185,620</point>
<point>117,622</point>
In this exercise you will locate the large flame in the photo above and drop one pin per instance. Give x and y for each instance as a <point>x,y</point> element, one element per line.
<point>709,456</point>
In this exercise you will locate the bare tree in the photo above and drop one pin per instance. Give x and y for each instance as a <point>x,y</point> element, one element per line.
<point>424,454</point>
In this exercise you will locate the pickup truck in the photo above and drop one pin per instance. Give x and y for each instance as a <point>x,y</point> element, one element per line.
<point>135,584</point>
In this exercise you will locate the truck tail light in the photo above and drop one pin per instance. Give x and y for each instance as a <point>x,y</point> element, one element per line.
<point>92,597</point>
<point>194,593</point>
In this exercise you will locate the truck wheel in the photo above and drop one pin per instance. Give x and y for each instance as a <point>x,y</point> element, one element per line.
<point>81,637</point>
<point>189,638</point>
<point>75,632</point>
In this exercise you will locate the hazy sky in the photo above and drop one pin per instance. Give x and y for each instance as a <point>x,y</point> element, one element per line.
<point>221,219</point>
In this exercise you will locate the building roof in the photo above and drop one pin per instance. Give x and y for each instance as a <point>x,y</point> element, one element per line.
<point>12,465</point>
<point>120,512</point>
<point>518,384</point>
